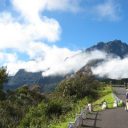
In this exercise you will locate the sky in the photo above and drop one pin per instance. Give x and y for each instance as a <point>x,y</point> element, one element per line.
<point>39,34</point>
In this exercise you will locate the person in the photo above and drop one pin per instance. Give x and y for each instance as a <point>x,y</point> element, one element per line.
<point>126,106</point>
<point>126,94</point>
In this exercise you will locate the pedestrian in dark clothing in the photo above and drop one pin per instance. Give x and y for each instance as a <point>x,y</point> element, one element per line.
<point>127,95</point>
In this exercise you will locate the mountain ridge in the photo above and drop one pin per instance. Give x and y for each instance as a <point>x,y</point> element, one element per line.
<point>22,77</point>
<point>115,47</point>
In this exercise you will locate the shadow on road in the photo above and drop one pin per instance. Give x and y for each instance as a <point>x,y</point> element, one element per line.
<point>93,117</point>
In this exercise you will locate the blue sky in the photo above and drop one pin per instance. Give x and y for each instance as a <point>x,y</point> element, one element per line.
<point>83,29</point>
<point>38,34</point>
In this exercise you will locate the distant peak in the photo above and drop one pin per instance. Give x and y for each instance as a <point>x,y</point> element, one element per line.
<point>115,47</point>
<point>116,42</point>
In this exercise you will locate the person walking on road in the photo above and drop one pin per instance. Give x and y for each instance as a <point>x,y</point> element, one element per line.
<point>126,106</point>
<point>126,94</point>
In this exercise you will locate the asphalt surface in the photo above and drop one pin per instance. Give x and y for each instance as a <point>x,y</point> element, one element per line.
<point>109,118</point>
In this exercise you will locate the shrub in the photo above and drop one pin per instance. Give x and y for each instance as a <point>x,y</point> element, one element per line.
<point>79,86</point>
<point>53,108</point>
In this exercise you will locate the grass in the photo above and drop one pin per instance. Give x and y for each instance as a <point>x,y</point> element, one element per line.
<point>105,90</point>
<point>105,94</point>
<point>108,98</point>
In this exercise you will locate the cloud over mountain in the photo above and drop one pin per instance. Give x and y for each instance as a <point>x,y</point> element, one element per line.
<point>114,68</point>
<point>115,64</point>
<point>26,30</point>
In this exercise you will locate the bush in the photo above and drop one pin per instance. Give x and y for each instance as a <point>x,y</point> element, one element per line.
<point>35,117</point>
<point>3,76</point>
<point>2,95</point>
<point>79,86</point>
<point>53,108</point>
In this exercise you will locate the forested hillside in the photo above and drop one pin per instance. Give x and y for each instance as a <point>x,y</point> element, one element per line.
<point>22,77</point>
<point>28,107</point>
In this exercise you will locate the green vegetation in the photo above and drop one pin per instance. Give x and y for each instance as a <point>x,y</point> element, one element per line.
<point>105,94</point>
<point>70,97</point>
<point>108,98</point>
<point>27,107</point>
<point>70,116</point>
<point>16,105</point>
<point>3,78</point>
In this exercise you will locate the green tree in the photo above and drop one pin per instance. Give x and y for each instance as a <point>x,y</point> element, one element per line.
<point>79,86</point>
<point>3,76</point>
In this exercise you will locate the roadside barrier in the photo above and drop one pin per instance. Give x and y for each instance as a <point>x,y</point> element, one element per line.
<point>79,119</point>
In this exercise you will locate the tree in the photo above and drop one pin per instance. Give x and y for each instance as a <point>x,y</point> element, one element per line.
<point>79,86</point>
<point>3,76</point>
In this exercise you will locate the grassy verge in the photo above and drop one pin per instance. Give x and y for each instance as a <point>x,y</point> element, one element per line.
<point>108,98</point>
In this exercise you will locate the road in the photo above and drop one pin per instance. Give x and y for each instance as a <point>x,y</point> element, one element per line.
<point>110,118</point>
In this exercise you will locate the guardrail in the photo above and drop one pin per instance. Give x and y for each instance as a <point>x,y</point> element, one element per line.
<point>79,119</point>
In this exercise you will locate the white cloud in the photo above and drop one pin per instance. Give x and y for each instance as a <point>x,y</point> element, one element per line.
<point>18,35</point>
<point>64,5</point>
<point>8,57</point>
<point>73,63</point>
<point>18,31</point>
<point>28,31</point>
<point>56,60</point>
<point>108,10</point>
<point>42,58</point>
<point>31,9</point>
<point>115,68</point>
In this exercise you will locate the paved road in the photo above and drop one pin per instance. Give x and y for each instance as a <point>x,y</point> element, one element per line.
<point>111,118</point>
<point>120,92</point>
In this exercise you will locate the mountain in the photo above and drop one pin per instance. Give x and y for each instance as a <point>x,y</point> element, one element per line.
<point>115,47</point>
<point>23,77</point>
